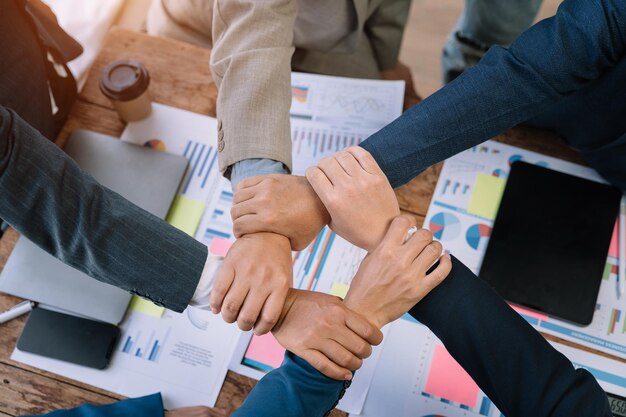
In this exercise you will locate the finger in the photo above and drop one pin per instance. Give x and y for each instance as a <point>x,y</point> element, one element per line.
<point>364,328</point>
<point>223,280</point>
<point>249,224</point>
<point>251,309</point>
<point>338,354</point>
<point>244,194</point>
<point>320,362</point>
<point>249,182</point>
<point>417,242</point>
<point>270,314</point>
<point>320,182</point>
<point>365,159</point>
<point>353,343</point>
<point>441,271</point>
<point>233,301</point>
<point>349,164</point>
<point>398,230</point>
<point>428,256</point>
<point>334,172</point>
<point>241,209</point>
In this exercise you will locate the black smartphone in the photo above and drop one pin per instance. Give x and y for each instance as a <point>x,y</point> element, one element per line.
<point>69,338</point>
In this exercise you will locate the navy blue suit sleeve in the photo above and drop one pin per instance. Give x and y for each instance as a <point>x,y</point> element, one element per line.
<point>549,61</point>
<point>50,200</point>
<point>294,389</point>
<point>517,368</point>
<point>148,406</point>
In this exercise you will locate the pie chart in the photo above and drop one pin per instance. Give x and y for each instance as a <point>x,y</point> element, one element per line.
<point>477,236</point>
<point>155,144</point>
<point>445,226</point>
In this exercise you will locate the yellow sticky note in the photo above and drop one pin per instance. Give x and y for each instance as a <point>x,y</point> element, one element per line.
<point>146,307</point>
<point>185,214</point>
<point>339,289</point>
<point>486,196</point>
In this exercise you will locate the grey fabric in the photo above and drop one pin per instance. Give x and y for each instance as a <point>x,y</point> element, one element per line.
<point>50,200</point>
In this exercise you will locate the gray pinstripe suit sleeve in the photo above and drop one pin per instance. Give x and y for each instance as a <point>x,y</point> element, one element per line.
<point>46,197</point>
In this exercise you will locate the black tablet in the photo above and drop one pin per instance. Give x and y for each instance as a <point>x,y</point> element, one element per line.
<point>550,241</point>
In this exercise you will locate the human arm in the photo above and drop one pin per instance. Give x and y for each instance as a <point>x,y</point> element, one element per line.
<point>549,61</point>
<point>251,65</point>
<point>347,190</point>
<point>51,201</point>
<point>148,406</point>
<point>513,364</point>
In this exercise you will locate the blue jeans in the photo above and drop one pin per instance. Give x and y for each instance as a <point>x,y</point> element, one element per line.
<point>482,24</point>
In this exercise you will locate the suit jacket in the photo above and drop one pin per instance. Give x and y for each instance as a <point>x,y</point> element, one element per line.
<point>567,73</point>
<point>251,61</point>
<point>61,208</point>
<point>148,406</point>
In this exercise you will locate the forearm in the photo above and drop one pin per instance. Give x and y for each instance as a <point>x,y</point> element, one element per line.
<point>516,367</point>
<point>295,389</point>
<point>62,209</point>
<point>552,59</point>
<point>251,65</point>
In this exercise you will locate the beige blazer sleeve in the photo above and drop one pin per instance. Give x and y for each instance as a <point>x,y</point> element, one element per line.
<point>251,65</point>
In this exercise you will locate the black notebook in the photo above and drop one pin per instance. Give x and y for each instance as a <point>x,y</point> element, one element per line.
<point>550,240</point>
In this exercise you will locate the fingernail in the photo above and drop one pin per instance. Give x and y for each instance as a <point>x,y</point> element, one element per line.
<point>214,310</point>
<point>348,377</point>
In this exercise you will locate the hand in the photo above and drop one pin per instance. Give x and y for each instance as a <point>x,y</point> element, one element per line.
<point>278,203</point>
<point>357,195</point>
<point>252,283</point>
<point>393,278</point>
<point>196,412</point>
<point>323,331</point>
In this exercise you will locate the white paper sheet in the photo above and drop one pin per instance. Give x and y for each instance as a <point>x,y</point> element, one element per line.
<point>184,361</point>
<point>406,377</point>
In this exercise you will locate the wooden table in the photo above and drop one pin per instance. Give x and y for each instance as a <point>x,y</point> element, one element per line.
<point>180,78</point>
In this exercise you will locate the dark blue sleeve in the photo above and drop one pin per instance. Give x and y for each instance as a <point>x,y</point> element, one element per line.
<point>295,389</point>
<point>47,198</point>
<point>548,62</point>
<point>511,362</point>
<point>148,406</point>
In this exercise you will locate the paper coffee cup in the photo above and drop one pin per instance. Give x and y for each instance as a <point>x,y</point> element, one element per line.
<point>125,83</point>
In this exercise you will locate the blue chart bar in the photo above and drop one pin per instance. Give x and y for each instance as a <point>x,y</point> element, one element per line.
<point>201,160</point>
<point>127,345</point>
<point>138,353</point>
<point>485,407</point>
<point>464,407</point>
<point>154,351</point>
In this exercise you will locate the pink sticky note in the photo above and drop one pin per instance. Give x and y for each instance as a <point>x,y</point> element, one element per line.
<point>448,380</point>
<point>614,247</point>
<point>220,246</point>
<point>529,313</point>
<point>265,350</point>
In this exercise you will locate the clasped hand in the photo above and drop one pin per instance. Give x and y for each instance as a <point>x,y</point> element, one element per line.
<point>273,214</point>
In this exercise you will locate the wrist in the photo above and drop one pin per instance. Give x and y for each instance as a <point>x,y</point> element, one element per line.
<point>373,317</point>
<point>320,208</point>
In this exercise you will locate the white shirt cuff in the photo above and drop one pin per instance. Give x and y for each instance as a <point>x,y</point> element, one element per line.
<point>200,298</point>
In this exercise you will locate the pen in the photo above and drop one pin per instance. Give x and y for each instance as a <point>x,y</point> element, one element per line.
<point>16,311</point>
<point>621,268</point>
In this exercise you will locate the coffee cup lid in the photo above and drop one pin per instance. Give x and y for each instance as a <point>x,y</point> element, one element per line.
<point>124,80</point>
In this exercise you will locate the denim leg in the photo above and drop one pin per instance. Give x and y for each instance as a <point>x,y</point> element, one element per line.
<point>484,23</point>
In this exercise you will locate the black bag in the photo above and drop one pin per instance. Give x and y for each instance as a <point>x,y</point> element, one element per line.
<point>34,77</point>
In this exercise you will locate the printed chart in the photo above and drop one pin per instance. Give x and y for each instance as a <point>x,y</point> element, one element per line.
<point>461,215</point>
<point>331,113</point>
